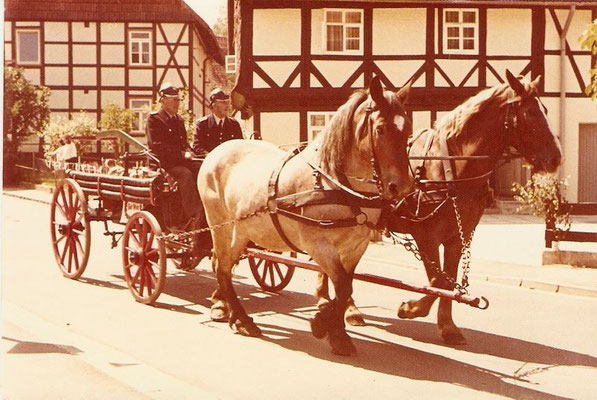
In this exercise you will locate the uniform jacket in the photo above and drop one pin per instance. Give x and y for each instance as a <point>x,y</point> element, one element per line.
<point>167,138</point>
<point>208,135</point>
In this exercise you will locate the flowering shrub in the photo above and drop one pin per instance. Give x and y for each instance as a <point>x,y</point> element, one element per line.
<point>544,194</point>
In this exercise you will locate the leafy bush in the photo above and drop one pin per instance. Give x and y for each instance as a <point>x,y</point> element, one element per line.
<point>116,117</point>
<point>545,195</point>
<point>79,125</point>
<point>26,113</point>
<point>588,40</point>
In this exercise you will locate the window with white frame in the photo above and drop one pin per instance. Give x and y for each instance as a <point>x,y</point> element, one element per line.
<point>316,122</point>
<point>140,47</point>
<point>343,31</point>
<point>140,109</point>
<point>28,46</point>
<point>461,31</point>
<point>231,64</point>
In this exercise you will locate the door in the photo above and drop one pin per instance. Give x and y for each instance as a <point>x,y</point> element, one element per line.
<point>587,161</point>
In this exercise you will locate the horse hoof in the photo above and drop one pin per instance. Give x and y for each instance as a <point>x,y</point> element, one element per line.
<point>317,327</point>
<point>218,314</point>
<point>454,339</point>
<point>342,346</point>
<point>405,311</point>
<point>355,318</point>
<point>322,303</point>
<point>247,329</point>
<point>411,310</point>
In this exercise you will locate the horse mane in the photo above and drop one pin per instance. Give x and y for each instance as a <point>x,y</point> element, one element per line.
<point>338,136</point>
<point>454,122</point>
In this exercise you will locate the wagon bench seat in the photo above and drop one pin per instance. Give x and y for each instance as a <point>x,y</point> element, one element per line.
<point>111,187</point>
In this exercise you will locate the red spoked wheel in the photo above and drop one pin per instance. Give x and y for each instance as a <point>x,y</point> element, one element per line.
<point>69,228</point>
<point>272,276</point>
<point>144,257</point>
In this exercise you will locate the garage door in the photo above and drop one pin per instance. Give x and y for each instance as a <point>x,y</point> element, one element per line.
<point>587,163</point>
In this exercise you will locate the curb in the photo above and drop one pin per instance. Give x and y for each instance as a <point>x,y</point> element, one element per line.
<point>509,281</point>
<point>501,280</point>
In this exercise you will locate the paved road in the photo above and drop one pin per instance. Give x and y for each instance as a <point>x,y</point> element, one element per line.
<point>66,339</point>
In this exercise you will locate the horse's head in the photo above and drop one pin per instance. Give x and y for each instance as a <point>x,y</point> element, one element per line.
<point>527,127</point>
<point>383,136</point>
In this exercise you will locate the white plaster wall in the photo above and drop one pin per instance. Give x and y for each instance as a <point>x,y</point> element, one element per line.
<point>399,72</point>
<point>7,31</point>
<point>277,32</point>
<point>199,76</point>
<point>141,77</point>
<point>317,31</point>
<point>56,54</point>
<point>58,99</point>
<point>578,111</point>
<point>113,54</point>
<point>81,33</point>
<point>140,25</point>
<point>82,100</point>
<point>580,21</point>
<point>113,97</point>
<point>399,31</point>
<point>421,120</point>
<point>84,54</point>
<point>33,75</point>
<point>515,66</point>
<point>338,72</point>
<point>279,71</point>
<point>456,71</point>
<point>56,76</point>
<point>85,76</point>
<point>171,76</point>
<point>181,55</point>
<point>552,73</point>
<point>112,32</point>
<point>280,127</point>
<point>509,31</point>
<point>112,76</point>
<point>172,32</point>
<point>27,23</point>
<point>7,51</point>
<point>56,31</point>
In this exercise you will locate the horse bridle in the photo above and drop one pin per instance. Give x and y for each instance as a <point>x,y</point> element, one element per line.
<point>511,126</point>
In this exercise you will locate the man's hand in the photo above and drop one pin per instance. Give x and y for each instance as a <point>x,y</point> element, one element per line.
<point>172,184</point>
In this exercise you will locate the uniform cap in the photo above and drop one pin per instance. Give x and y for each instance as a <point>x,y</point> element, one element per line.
<point>218,95</point>
<point>168,90</point>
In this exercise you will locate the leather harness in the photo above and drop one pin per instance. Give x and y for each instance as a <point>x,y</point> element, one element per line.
<point>344,195</point>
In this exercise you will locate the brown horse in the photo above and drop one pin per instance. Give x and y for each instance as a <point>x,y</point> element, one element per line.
<point>363,150</point>
<point>509,115</point>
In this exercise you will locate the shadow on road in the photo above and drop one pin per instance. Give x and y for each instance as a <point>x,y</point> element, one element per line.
<point>380,355</point>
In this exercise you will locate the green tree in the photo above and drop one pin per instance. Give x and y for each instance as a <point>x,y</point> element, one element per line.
<point>116,117</point>
<point>589,41</point>
<point>220,27</point>
<point>80,124</point>
<point>26,112</point>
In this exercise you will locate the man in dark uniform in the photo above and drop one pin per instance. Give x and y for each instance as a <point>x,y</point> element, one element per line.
<point>217,127</point>
<point>167,140</point>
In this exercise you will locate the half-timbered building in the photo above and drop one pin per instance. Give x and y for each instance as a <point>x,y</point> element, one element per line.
<point>298,60</point>
<point>94,52</point>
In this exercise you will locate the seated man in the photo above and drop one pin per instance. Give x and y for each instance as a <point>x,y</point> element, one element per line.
<point>167,140</point>
<point>217,127</point>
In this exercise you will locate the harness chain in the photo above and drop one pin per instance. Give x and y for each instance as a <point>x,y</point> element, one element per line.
<point>410,246</point>
<point>466,250</point>
<point>187,234</point>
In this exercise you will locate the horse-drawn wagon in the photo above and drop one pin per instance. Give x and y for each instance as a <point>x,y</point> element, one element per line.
<point>363,150</point>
